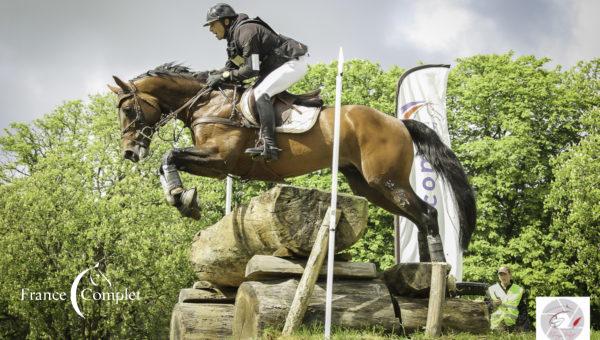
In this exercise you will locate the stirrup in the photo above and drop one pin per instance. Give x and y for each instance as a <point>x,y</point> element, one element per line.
<point>267,152</point>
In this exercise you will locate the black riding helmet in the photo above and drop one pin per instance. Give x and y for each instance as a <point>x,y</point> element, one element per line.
<point>218,12</point>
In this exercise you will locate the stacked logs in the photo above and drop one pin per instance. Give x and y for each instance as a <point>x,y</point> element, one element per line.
<point>409,285</point>
<point>245,289</point>
<point>283,221</point>
<point>360,300</point>
<point>204,311</point>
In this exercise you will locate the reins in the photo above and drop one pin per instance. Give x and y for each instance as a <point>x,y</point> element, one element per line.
<point>231,121</point>
<point>147,131</point>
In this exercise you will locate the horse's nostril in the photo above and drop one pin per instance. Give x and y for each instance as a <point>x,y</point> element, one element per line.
<point>130,155</point>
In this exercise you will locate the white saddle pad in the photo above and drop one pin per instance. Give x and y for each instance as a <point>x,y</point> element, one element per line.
<point>298,119</point>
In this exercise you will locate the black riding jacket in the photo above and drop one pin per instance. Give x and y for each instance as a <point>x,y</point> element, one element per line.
<point>246,37</point>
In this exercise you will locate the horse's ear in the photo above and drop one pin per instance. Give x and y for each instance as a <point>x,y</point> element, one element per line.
<point>122,84</point>
<point>113,88</point>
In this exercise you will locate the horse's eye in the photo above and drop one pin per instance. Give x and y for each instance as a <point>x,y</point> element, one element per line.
<point>129,112</point>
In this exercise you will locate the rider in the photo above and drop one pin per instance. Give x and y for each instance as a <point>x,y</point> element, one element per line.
<point>255,49</point>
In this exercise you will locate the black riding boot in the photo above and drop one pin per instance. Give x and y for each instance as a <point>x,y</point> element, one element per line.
<point>423,248</point>
<point>266,113</point>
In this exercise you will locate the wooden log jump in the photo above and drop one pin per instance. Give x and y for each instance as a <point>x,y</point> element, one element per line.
<point>358,305</point>
<point>309,277</point>
<point>284,217</point>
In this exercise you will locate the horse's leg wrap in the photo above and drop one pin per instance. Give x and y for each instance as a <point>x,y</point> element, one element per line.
<point>423,248</point>
<point>185,200</point>
<point>173,185</point>
<point>436,250</point>
<point>170,199</point>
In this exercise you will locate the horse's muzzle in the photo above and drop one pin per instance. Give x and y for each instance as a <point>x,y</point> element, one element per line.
<point>135,153</point>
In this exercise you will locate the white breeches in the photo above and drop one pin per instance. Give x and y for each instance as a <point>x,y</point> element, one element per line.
<point>282,77</point>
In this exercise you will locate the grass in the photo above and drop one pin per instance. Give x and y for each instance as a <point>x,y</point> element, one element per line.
<point>316,333</point>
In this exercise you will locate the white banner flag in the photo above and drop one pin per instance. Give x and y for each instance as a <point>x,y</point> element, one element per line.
<point>422,96</point>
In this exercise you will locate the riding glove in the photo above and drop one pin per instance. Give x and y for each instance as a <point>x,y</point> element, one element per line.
<point>214,80</point>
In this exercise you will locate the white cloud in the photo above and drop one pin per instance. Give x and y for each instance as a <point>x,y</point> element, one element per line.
<point>446,27</point>
<point>585,30</point>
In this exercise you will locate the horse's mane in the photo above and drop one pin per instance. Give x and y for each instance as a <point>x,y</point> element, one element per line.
<point>172,69</point>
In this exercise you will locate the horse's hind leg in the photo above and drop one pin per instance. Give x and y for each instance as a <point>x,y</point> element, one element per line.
<point>408,204</point>
<point>418,211</point>
<point>360,187</point>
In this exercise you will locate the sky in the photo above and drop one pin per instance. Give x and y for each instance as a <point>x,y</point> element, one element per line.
<point>61,50</point>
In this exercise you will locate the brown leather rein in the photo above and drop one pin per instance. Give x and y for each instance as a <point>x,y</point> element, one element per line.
<point>231,121</point>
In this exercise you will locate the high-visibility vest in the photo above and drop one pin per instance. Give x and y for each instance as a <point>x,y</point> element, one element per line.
<point>507,312</point>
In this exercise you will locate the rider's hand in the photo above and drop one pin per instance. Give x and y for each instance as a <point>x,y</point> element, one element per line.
<point>214,80</point>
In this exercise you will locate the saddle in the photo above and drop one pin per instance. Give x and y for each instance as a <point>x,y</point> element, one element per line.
<point>293,113</point>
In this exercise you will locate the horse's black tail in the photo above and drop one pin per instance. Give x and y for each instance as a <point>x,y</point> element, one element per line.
<point>445,163</point>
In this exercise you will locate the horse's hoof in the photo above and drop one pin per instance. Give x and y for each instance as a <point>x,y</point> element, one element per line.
<point>189,204</point>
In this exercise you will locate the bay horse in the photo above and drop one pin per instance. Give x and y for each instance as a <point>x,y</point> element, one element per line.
<point>376,150</point>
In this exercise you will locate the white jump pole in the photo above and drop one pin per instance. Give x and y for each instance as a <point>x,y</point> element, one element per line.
<point>228,194</point>
<point>334,189</point>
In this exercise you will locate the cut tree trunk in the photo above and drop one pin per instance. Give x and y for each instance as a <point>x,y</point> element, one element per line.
<point>207,295</point>
<point>283,217</point>
<point>356,304</point>
<point>458,315</point>
<point>195,321</point>
<point>264,267</point>
<point>410,279</point>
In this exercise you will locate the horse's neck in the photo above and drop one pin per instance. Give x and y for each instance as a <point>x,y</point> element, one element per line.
<point>172,94</point>
<point>220,103</point>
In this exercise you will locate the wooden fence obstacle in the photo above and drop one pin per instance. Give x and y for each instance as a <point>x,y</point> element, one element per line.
<point>358,305</point>
<point>263,267</point>
<point>458,315</point>
<point>283,217</point>
<point>310,275</point>
<point>203,312</point>
<point>283,221</point>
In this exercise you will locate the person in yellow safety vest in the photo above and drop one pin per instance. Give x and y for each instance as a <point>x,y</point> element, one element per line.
<point>510,301</point>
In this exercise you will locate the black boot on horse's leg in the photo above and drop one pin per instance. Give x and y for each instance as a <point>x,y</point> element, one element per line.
<point>185,200</point>
<point>266,114</point>
<point>423,248</point>
<point>434,241</point>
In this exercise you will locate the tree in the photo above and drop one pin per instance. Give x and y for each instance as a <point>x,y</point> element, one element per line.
<point>511,118</point>
<point>68,201</point>
<point>574,204</point>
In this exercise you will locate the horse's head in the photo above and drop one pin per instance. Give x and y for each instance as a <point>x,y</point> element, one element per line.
<point>138,113</point>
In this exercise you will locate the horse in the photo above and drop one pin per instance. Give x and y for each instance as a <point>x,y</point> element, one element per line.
<point>376,150</point>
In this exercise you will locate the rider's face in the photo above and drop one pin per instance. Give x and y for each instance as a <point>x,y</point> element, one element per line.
<point>218,29</point>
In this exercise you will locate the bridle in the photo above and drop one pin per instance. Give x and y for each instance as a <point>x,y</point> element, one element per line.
<point>139,114</point>
<point>146,130</point>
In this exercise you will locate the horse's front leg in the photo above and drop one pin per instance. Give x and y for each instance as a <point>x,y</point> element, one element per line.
<point>199,161</point>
